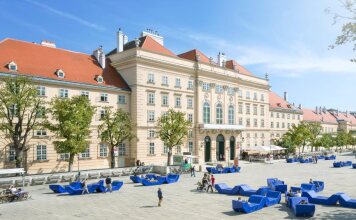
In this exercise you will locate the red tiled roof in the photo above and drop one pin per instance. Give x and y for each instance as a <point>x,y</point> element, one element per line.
<point>148,43</point>
<point>275,101</point>
<point>326,117</point>
<point>192,54</point>
<point>232,64</point>
<point>346,117</point>
<point>35,59</point>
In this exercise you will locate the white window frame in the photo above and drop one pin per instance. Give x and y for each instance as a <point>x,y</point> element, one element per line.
<point>178,83</point>
<point>86,153</point>
<point>178,102</point>
<point>151,148</point>
<point>41,152</point>
<point>121,150</point>
<point>63,93</point>
<point>151,98</point>
<point>151,116</point>
<point>41,90</point>
<point>165,101</point>
<point>190,84</point>
<point>219,114</point>
<point>103,150</point>
<point>151,78</point>
<point>104,97</point>
<point>189,102</point>
<point>122,99</point>
<point>164,80</point>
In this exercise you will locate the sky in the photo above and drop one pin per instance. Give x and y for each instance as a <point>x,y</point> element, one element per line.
<point>289,40</point>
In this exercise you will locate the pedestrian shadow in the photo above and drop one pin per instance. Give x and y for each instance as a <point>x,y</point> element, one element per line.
<point>284,208</point>
<point>232,213</point>
<point>148,206</point>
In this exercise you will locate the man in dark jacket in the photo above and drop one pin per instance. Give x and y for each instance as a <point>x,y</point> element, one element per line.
<point>108,184</point>
<point>160,196</point>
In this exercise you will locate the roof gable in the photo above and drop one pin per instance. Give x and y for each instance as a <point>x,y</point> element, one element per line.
<point>192,55</point>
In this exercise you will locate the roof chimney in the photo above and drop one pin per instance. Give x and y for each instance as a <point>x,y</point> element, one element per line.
<point>100,56</point>
<point>154,34</point>
<point>300,106</point>
<point>121,40</point>
<point>320,110</point>
<point>285,97</point>
<point>221,59</point>
<point>316,109</point>
<point>47,43</point>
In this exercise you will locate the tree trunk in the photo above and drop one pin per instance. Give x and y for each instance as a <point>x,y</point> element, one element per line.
<point>169,157</point>
<point>112,156</point>
<point>70,162</point>
<point>19,157</point>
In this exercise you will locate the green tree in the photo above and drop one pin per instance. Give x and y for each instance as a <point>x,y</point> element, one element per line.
<point>348,34</point>
<point>71,119</point>
<point>314,130</point>
<point>172,130</point>
<point>117,127</point>
<point>286,142</point>
<point>341,139</point>
<point>20,109</point>
<point>327,141</point>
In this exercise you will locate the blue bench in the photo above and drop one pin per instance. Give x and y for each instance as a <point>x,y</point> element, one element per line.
<point>172,178</point>
<point>322,200</point>
<point>246,190</point>
<point>222,188</point>
<point>345,201</point>
<point>272,198</point>
<point>255,203</point>
<point>277,185</point>
<point>301,210</point>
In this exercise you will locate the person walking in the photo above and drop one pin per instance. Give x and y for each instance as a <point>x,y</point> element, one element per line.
<point>160,196</point>
<point>192,171</point>
<point>108,184</point>
<point>212,180</point>
<point>85,187</point>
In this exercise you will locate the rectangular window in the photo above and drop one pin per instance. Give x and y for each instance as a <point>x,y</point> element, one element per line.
<point>190,84</point>
<point>150,78</point>
<point>164,80</point>
<point>190,134</point>
<point>230,91</point>
<point>247,109</point>
<point>151,98</point>
<point>122,99</point>
<point>262,123</point>
<point>272,114</point>
<point>240,93</point>
<point>12,154</point>
<point>190,146</point>
<point>151,133</point>
<point>178,104</point>
<point>298,117</point>
<point>255,123</point>
<point>272,126</point>
<point>165,100</point>
<point>13,110</point>
<point>41,152</point>
<point>103,97</point>
<point>219,89</point>
<point>277,115</point>
<point>288,116</point>
<point>86,153</point>
<point>288,125</point>
<point>151,116</point>
<point>64,156</point>
<point>63,93</point>
<point>255,96</point>
<point>177,83</point>
<point>240,108</point>
<point>151,149</point>
<point>84,93</point>
<point>240,121</point>
<point>206,86</point>
<point>262,110</point>
<point>122,150</point>
<point>262,97</point>
<point>103,150</point>
<point>293,116</point>
<point>283,115</point>
<point>41,112</point>
<point>190,117</point>
<point>248,95</point>
<point>178,149</point>
<point>102,114</point>
<point>254,109</point>
<point>277,125</point>
<point>41,133</point>
<point>190,102</point>
<point>41,91</point>
<point>247,122</point>
<point>165,148</point>
<point>282,124</point>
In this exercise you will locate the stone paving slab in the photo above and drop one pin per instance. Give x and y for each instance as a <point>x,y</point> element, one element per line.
<point>182,201</point>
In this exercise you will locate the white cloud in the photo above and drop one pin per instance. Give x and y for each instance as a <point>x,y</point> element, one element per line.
<point>68,16</point>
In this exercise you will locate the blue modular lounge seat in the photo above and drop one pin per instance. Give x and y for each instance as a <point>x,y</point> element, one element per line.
<point>238,169</point>
<point>136,179</point>
<point>172,178</point>
<point>301,210</point>
<point>319,186</point>
<point>151,176</point>
<point>332,157</point>
<point>337,164</point>
<point>255,202</point>
<point>272,198</point>
<point>320,157</point>
<point>246,190</point>
<point>226,170</point>
<point>57,188</point>
<point>290,160</point>
<point>322,200</point>
<point>277,185</point>
<point>348,163</point>
<point>222,188</point>
<point>209,169</point>
<point>160,180</point>
<point>345,201</point>
<point>354,165</point>
<point>116,185</point>
<point>73,191</point>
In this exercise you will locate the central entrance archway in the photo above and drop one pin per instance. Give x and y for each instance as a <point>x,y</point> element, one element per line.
<point>207,150</point>
<point>232,147</point>
<point>220,148</point>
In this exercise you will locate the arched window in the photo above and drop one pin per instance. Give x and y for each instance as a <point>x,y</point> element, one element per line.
<point>206,113</point>
<point>219,114</point>
<point>231,115</point>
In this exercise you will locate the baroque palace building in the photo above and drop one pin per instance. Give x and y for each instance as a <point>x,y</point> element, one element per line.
<point>230,108</point>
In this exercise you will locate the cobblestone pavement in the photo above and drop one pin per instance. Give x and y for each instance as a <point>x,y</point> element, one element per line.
<point>182,201</point>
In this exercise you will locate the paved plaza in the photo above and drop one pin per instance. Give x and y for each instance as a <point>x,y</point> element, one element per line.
<point>182,201</point>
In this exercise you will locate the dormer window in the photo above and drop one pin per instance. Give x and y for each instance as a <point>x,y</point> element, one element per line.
<point>12,66</point>
<point>100,79</point>
<point>60,73</point>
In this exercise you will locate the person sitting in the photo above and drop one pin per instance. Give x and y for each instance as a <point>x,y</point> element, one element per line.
<point>303,202</point>
<point>298,194</point>
<point>311,181</point>
<point>13,190</point>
